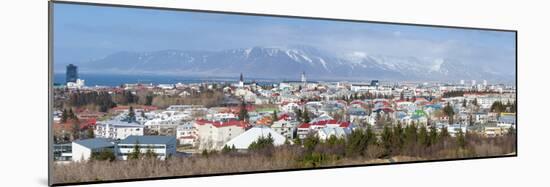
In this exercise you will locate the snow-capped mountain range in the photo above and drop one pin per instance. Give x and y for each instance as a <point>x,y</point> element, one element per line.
<point>288,64</point>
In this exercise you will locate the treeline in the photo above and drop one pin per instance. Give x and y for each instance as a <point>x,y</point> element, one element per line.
<point>411,141</point>
<point>364,95</point>
<point>101,99</point>
<point>68,115</point>
<point>126,98</point>
<point>499,107</point>
<point>302,116</point>
<point>360,147</point>
<point>461,93</point>
<point>207,99</point>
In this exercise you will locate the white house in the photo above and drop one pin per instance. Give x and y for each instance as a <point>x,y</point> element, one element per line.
<point>358,87</point>
<point>314,127</point>
<point>162,146</point>
<point>405,105</point>
<point>186,134</point>
<point>221,116</point>
<point>303,130</point>
<point>82,149</point>
<point>214,134</point>
<point>327,132</point>
<point>289,107</point>
<point>285,127</point>
<point>115,129</point>
<point>244,140</point>
<point>76,85</point>
<point>166,86</point>
<point>168,119</point>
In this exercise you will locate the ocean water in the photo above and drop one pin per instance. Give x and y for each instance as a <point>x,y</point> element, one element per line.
<point>117,80</point>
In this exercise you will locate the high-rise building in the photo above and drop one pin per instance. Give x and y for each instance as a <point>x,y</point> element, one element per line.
<point>461,82</point>
<point>484,82</point>
<point>473,82</point>
<point>71,74</point>
<point>304,77</point>
<point>374,83</point>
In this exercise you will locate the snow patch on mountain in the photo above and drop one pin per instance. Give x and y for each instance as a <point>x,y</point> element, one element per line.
<point>272,62</point>
<point>437,64</point>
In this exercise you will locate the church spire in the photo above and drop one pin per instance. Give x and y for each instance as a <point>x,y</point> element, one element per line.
<point>241,81</point>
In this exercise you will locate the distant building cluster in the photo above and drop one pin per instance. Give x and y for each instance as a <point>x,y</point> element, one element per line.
<point>288,111</point>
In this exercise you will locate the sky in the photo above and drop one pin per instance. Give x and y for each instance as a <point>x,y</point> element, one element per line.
<point>83,33</point>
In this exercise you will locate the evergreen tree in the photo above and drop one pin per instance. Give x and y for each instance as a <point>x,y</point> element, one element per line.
<point>262,143</point>
<point>498,107</point>
<point>411,135</point>
<point>149,100</point>
<point>386,138</point>
<point>131,115</point>
<point>460,139</point>
<point>105,154</point>
<point>332,140</point>
<point>150,153</point>
<point>433,136</point>
<point>75,131</point>
<point>511,131</point>
<point>371,136</point>
<point>444,134</point>
<point>356,144</point>
<point>398,136</point>
<point>310,142</point>
<point>298,113</point>
<point>71,115</point>
<point>423,136</point>
<point>297,140</point>
<point>306,116</point>
<point>204,153</point>
<point>64,116</point>
<point>449,112</point>
<point>226,149</point>
<point>136,152</point>
<point>90,133</point>
<point>243,113</point>
<point>275,116</point>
